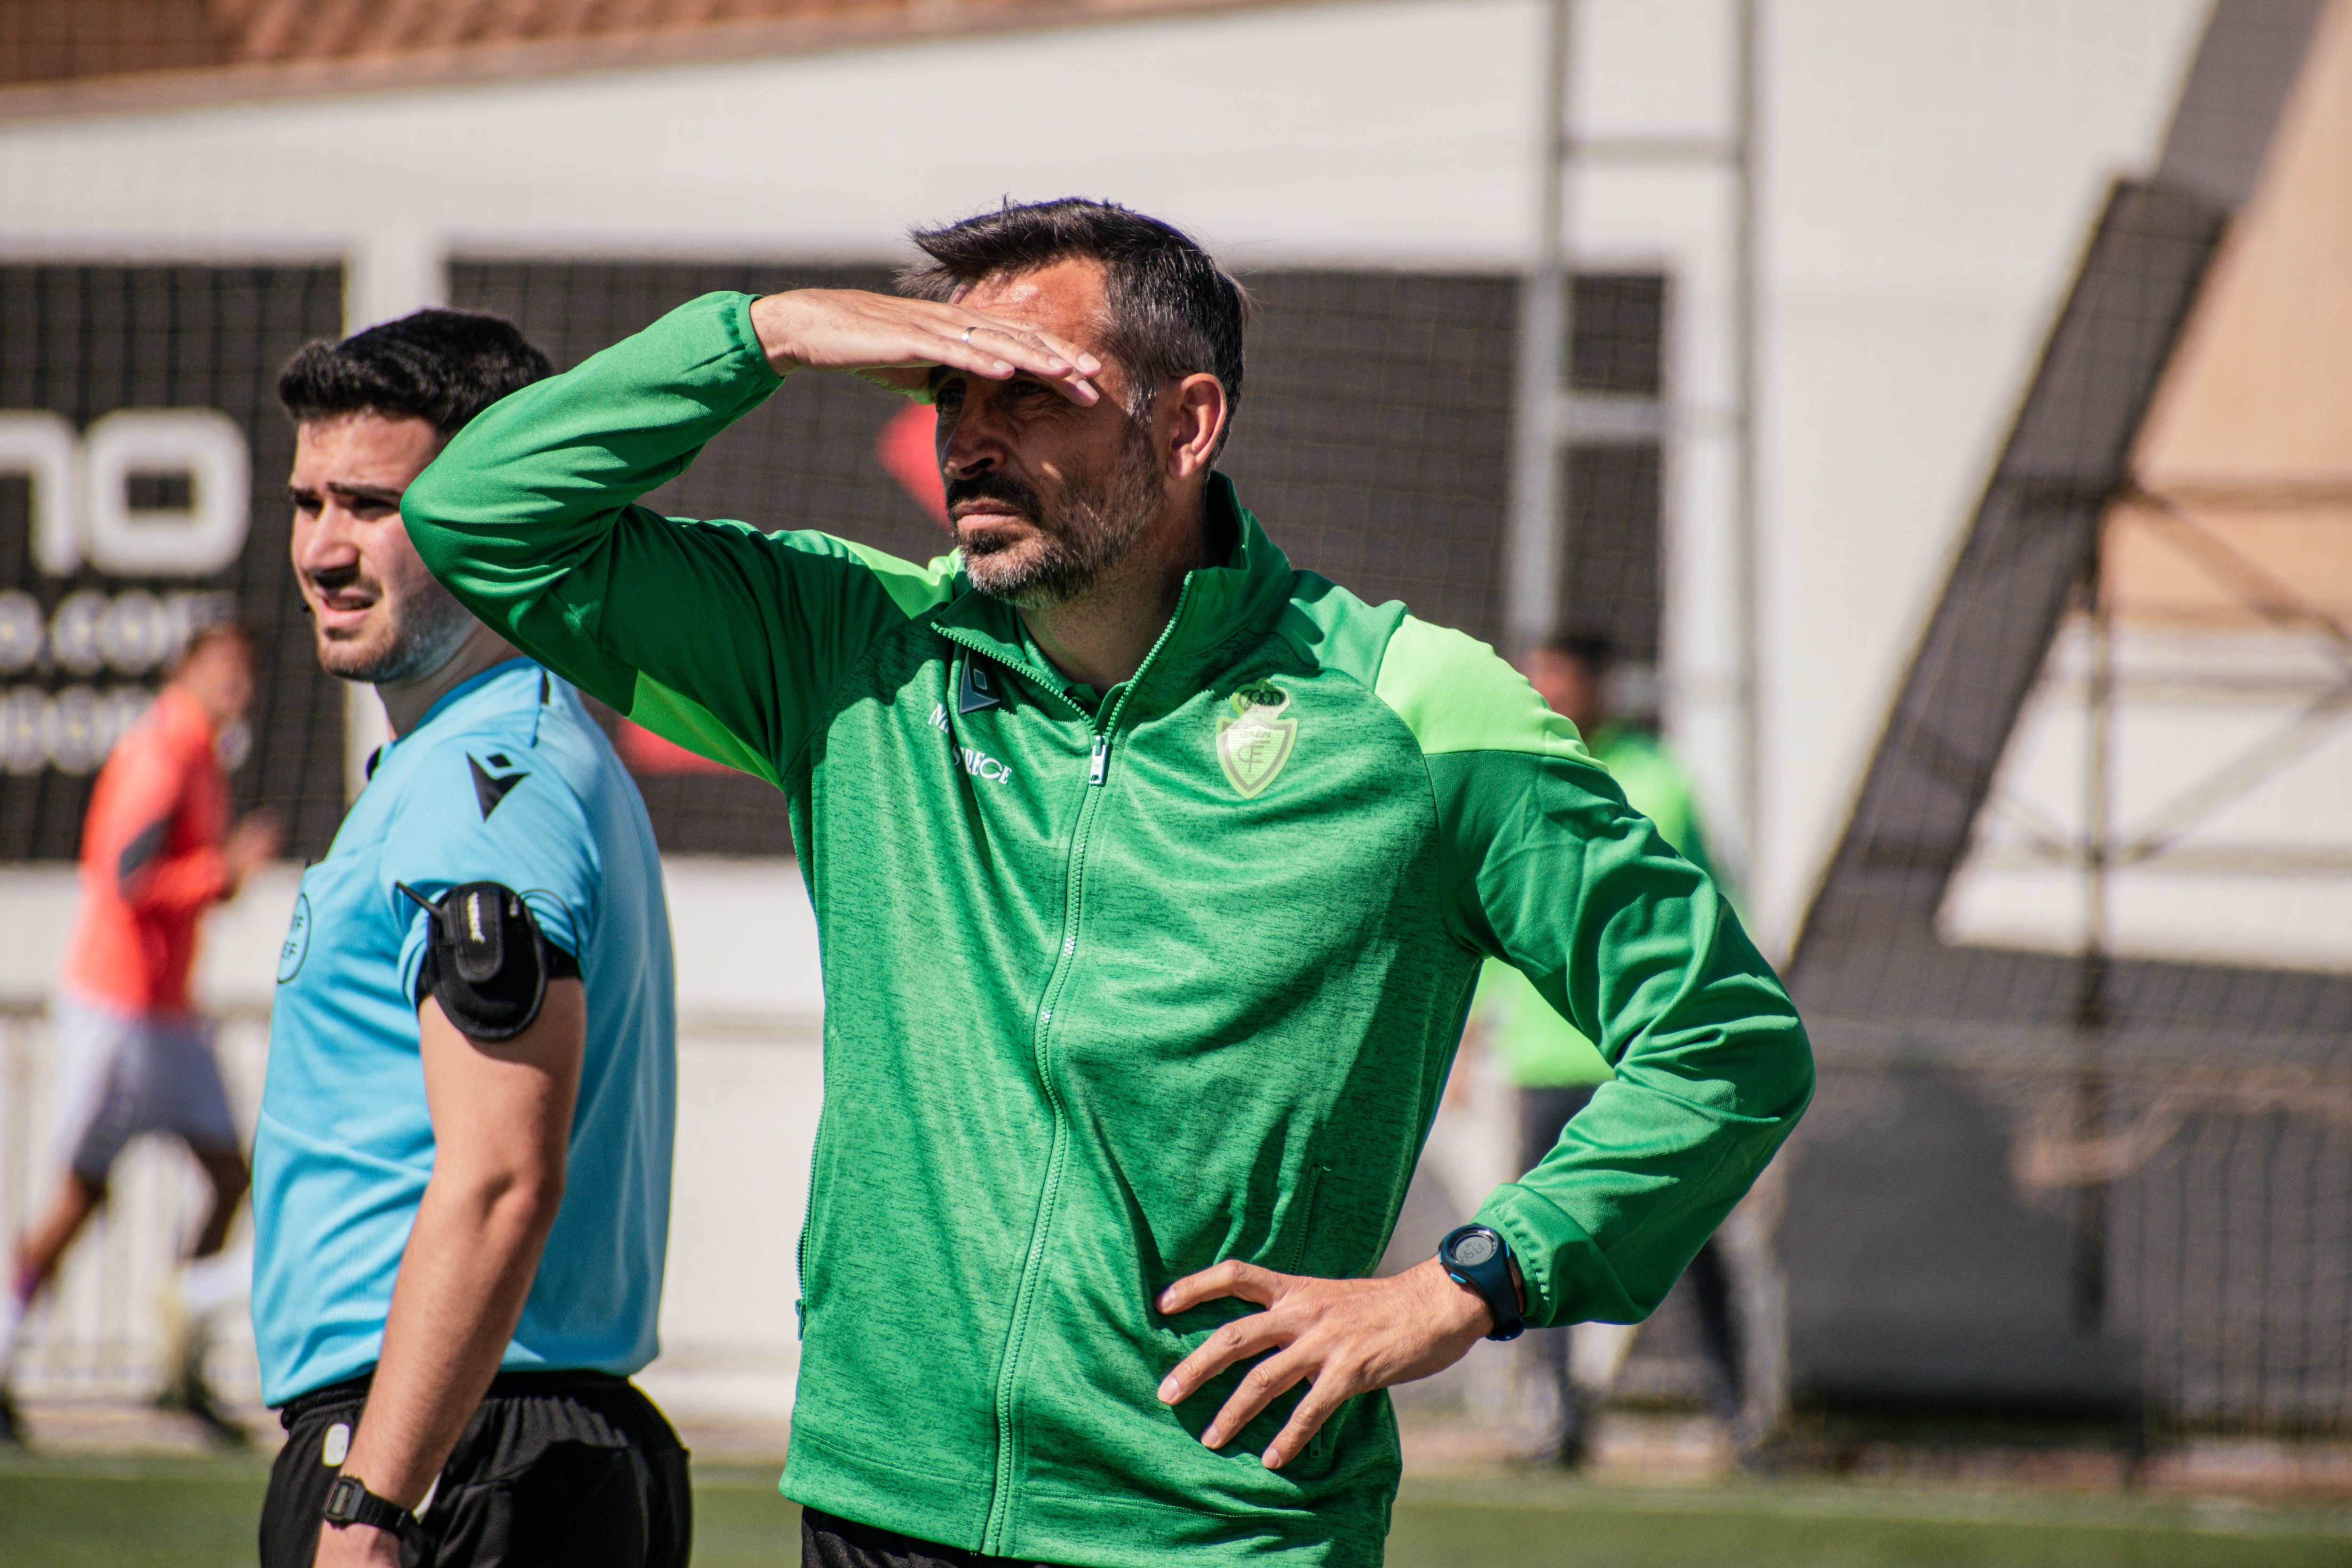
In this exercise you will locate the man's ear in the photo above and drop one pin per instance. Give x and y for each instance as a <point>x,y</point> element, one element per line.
<point>1201,409</point>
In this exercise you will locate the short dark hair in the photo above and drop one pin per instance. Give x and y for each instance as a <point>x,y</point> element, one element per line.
<point>440,366</point>
<point>1594,650</point>
<point>1173,310</point>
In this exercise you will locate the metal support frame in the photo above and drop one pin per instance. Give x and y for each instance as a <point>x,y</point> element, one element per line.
<point>2090,1238</point>
<point>2156,842</point>
<point>1551,417</point>
<point>2087,1154</point>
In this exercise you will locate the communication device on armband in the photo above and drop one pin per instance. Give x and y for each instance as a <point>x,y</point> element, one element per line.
<point>487,963</point>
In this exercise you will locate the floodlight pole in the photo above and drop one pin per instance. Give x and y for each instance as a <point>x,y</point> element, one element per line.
<point>1533,549</point>
<point>1745,641</point>
<point>391,270</point>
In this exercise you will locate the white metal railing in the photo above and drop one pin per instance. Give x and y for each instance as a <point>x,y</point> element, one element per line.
<point>749,1087</point>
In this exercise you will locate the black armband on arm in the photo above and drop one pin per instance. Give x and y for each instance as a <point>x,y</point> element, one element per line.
<point>487,962</point>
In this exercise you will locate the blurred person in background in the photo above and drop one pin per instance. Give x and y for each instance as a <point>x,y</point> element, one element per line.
<point>133,1055</point>
<point>462,1164</point>
<point>1152,877</point>
<point>1555,1068</point>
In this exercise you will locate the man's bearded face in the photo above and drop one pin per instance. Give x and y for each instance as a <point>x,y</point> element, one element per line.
<point>1082,523</point>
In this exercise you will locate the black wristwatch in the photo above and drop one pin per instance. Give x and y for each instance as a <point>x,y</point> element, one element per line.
<point>350,1502</point>
<point>1480,1258</point>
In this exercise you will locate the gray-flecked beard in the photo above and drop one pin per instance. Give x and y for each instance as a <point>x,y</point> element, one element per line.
<point>1088,533</point>
<point>426,635</point>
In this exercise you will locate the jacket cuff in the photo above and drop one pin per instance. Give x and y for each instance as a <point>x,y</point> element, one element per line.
<point>745,338</point>
<point>1568,1279</point>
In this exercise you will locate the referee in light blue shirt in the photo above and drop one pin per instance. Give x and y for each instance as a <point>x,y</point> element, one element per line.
<point>462,1166</point>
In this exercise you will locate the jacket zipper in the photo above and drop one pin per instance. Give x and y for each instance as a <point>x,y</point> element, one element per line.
<point>816,1151</point>
<point>808,1215</point>
<point>999,1525</point>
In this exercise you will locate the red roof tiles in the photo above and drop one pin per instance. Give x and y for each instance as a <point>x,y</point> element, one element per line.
<point>54,41</point>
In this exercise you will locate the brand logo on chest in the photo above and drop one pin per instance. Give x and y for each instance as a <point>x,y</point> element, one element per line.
<point>979,689</point>
<point>975,762</point>
<point>1257,741</point>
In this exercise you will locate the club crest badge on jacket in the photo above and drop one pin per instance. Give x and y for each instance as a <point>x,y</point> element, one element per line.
<point>1257,740</point>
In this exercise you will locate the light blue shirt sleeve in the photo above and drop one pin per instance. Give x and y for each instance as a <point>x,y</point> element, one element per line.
<point>469,819</point>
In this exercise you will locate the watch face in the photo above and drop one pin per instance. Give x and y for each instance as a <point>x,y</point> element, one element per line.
<point>1474,1248</point>
<point>344,1498</point>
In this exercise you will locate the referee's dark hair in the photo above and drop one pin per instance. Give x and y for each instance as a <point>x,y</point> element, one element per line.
<point>1173,310</point>
<point>440,366</point>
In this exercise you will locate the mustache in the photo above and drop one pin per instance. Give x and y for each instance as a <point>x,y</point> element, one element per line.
<point>994,485</point>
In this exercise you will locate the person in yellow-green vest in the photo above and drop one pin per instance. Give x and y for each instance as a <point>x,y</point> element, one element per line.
<point>1555,1068</point>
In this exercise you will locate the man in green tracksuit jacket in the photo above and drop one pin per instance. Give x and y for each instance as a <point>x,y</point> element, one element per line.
<point>1153,878</point>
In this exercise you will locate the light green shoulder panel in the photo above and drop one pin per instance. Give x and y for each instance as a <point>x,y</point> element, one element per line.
<point>679,719</point>
<point>910,588</point>
<point>1333,628</point>
<point>914,589</point>
<point>1457,695</point>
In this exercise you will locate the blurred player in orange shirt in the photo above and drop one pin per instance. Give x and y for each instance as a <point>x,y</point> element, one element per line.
<point>132,1054</point>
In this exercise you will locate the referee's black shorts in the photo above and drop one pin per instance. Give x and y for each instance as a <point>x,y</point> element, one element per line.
<point>575,1469</point>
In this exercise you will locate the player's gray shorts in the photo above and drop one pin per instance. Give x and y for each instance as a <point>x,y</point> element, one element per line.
<point>120,1075</point>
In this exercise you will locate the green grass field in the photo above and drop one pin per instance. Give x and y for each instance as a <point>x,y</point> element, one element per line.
<point>152,1513</point>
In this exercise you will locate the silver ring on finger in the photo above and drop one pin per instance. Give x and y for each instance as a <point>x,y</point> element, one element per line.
<point>967,334</point>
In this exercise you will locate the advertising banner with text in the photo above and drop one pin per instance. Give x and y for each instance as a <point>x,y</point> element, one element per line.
<point>142,491</point>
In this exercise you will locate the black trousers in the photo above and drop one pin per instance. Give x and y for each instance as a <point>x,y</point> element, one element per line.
<point>830,1542</point>
<point>570,1468</point>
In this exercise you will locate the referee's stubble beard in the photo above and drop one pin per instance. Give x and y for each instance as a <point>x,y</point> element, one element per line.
<point>377,614</point>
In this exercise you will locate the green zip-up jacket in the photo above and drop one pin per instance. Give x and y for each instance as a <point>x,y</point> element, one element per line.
<point>1113,993</point>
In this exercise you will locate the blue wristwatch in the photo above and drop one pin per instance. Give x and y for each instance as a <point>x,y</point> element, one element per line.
<point>1480,1258</point>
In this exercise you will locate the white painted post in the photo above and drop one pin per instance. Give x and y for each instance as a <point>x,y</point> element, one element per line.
<point>387,273</point>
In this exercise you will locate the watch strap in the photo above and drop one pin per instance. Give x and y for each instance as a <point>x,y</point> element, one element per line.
<point>1485,1268</point>
<point>349,1501</point>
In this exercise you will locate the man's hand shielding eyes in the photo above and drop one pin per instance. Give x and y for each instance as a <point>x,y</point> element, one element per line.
<point>1343,1337</point>
<point>894,342</point>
